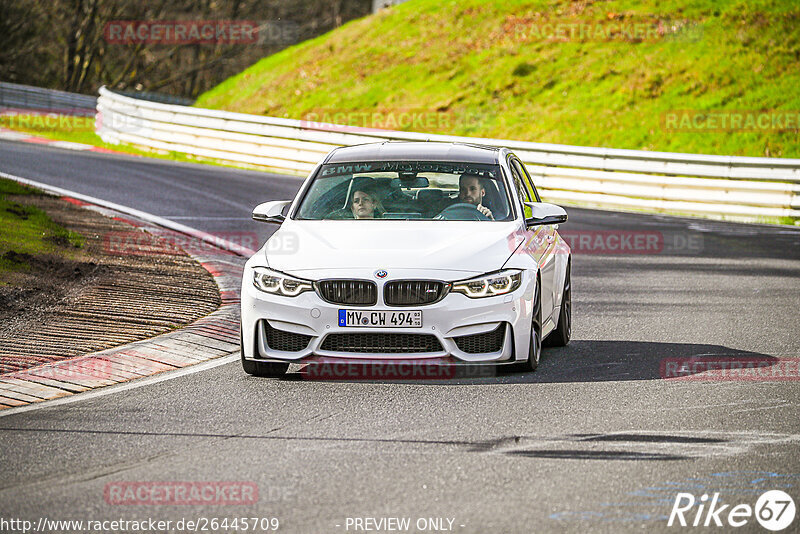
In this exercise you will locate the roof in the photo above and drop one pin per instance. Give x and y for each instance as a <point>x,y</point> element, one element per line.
<point>416,151</point>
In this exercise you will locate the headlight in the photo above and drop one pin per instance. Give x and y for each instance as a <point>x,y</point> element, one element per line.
<point>489,285</point>
<point>279,283</point>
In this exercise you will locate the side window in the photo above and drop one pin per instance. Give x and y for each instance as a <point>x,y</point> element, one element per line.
<point>532,193</point>
<point>522,192</point>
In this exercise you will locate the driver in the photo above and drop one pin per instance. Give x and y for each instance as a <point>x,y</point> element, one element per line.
<point>472,191</point>
<point>365,203</point>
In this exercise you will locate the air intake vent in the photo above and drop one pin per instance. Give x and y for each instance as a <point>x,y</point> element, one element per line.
<point>378,343</point>
<point>482,343</point>
<point>285,341</point>
<point>414,292</point>
<point>354,292</point>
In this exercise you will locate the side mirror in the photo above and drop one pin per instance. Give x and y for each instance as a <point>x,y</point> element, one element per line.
<point>270,212</point>
<point>544,214</point>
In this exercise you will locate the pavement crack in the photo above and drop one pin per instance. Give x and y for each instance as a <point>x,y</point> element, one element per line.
<point>86,477</point>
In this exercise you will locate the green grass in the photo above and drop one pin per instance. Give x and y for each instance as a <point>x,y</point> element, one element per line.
<point>28,231</point>
<point>479,67</point>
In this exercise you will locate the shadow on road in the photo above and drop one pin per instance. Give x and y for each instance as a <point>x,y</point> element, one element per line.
<point>613,446</point>
<point>595,361</point>
<point>581,361</point>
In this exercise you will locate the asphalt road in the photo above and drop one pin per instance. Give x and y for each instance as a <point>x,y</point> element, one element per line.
<point>595,440</point>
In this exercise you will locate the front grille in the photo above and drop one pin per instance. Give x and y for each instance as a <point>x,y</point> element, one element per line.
<point>482,343</point>
<point>359,292</point>
<point>285,341</point>
<point>380,343</point>
<point>413,292</point>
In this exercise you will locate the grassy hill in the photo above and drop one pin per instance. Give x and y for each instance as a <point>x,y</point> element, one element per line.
<point>513,69</point>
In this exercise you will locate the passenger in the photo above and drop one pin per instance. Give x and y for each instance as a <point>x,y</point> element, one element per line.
<point>471,191</point>
<point>365,203</point>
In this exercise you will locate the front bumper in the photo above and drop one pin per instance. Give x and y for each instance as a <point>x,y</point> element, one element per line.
<point>447,321</point>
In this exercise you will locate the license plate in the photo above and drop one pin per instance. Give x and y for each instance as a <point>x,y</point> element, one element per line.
<point>381,319</point>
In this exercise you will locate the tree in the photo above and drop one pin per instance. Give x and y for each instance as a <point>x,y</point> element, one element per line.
<point>73,52</point>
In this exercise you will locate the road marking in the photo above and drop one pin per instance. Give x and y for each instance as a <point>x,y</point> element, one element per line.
<point>118,388</point>
<point>13,136</point>
<point>69,145</point>
<point>192,218</point>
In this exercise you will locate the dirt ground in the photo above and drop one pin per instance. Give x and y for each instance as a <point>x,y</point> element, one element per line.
<point>122,285</point>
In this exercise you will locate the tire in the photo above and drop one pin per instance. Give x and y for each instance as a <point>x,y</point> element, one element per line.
<point>561,335</point>
<point>261,369</point>
<point>535,346</point>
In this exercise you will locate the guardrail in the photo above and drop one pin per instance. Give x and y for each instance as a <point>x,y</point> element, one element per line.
<point>741,188</point>
<point>15,96</point>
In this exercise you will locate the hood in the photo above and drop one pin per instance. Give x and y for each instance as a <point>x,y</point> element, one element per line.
<point>463,246</point>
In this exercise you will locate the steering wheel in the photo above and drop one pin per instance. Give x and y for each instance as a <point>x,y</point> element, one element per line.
<point>463,211</point>
<point>341,213</point>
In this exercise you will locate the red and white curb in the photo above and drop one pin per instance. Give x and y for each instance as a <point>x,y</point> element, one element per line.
<point>213,336</point>
<point>14,135</point>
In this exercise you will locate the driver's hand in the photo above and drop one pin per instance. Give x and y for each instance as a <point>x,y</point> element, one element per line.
<point>486,211</point>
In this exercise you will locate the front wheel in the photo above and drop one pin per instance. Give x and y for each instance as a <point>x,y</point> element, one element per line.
<point>535,347</point>
<point>561,335</point>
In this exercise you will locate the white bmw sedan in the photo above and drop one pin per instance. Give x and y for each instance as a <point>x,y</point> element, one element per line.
<point>425,252</point>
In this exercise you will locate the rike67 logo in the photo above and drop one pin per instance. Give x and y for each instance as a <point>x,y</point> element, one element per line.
<point>774,510</point>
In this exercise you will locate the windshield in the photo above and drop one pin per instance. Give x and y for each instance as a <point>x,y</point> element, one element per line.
<point>407,190</point>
